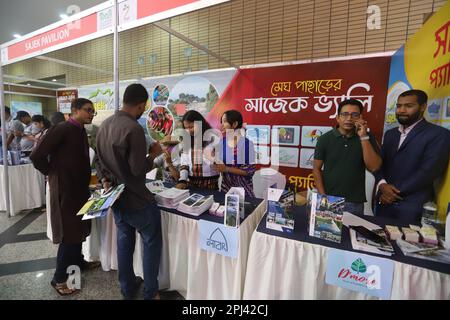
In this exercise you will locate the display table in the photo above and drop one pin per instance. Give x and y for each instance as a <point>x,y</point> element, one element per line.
<point>193,272</point>
<point>26,186</point>
<point>293,266</point>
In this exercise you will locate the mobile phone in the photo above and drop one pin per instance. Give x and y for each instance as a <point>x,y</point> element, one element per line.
<point>369,234</point>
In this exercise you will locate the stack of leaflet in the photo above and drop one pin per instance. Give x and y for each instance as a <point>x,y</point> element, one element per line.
<point>374,244</point>
<point>171,198</point>
<point>424,251</point>
<point>411,234</point>
<point>156,187</point>
<point>367,236</point>
<point>196,204</point>
<point>429,234</point>
<point>393,232</point>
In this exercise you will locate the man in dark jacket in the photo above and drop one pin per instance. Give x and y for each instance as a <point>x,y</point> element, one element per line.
<point>63,155</point>
<point>414,155</point>
<point>122,155</point>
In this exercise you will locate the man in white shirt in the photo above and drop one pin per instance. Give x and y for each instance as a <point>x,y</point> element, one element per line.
<point>16,129</point>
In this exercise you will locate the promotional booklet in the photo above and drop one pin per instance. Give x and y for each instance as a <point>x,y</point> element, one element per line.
<point>325,216</point>
<point>373,241</point>
<point>196,204</point>
<point>240,192</point>
<point>100,201</point>
<point>280,210</point>
<point>156,186</point>
<point>424,251</point>
<point>231,216</point>
<point>171,198</point>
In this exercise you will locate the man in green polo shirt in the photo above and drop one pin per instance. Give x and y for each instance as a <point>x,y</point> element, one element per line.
<point>345,153</point>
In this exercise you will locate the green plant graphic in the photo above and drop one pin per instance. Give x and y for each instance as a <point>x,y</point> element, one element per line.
<point>359,266</point>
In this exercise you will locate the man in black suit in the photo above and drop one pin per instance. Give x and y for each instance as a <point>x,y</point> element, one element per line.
<point>414,155</point>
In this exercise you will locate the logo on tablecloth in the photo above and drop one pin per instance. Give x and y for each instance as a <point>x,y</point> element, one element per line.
<point>217,240</point>
<point>360,278</point>
<point>367,274</point>
<point>359,266</point>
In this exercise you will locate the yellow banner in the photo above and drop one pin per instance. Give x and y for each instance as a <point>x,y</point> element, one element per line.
<point>427,67</point>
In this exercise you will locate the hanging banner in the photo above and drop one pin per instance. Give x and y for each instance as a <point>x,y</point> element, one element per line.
<point>424,63</point>
<point>170,98</point>
<point>83,27</point>
<point>65,98</point>
<point>286,108</point>
<point>94,23</point>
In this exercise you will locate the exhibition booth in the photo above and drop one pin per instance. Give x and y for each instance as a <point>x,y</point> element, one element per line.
<point>286,107</point>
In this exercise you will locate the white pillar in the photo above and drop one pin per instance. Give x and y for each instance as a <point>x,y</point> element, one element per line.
<point>4,148</point>
<point>116,56</point>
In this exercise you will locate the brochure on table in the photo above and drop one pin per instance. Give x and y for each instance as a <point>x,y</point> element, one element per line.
<point>196,204</point>
<point>234,207</point>
<point>156,186</point>
<point>280,210</point>
<point>325,216</point>
<point>361,242</point>
<point>171,198</point>
<point>424,251</point>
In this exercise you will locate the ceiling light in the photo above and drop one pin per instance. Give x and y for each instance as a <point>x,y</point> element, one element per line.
<point>28,84</point>
<point>54,80</point>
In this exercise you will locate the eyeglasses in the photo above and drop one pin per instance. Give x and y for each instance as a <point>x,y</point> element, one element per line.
<point>90,110</point>
<point>353,115</point>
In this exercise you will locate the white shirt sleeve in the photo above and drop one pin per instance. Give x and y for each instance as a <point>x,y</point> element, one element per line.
<point>380,183</point>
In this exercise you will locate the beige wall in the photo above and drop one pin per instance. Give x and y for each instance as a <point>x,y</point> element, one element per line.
<point>244,32</point>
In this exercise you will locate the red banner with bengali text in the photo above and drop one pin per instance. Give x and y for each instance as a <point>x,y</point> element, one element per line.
<point>286,108</point>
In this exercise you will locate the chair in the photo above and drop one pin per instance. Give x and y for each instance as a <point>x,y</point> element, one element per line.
<point>370,184</point>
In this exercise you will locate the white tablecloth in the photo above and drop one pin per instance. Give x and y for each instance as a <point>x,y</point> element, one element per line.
<point>195,273</point>
<point>26,186</point>
<point>198,274</point>
<point>280,268</point>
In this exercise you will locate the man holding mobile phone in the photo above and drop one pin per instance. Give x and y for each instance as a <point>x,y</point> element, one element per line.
<point>345,153</point>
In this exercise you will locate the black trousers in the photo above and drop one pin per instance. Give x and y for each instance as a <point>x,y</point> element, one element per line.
<point>68,254</point>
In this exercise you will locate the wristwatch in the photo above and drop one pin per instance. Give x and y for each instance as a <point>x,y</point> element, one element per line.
<point>364,138</point>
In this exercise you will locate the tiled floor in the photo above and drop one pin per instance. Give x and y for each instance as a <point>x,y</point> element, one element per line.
<point>28,259</point>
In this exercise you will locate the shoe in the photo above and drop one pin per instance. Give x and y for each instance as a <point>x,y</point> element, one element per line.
<point>157,296</point>
<point>62,289</point>
<point>86,266</point>
<point>138,281</point>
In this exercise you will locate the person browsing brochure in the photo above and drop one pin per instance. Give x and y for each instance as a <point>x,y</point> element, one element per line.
<point>122,159</point>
